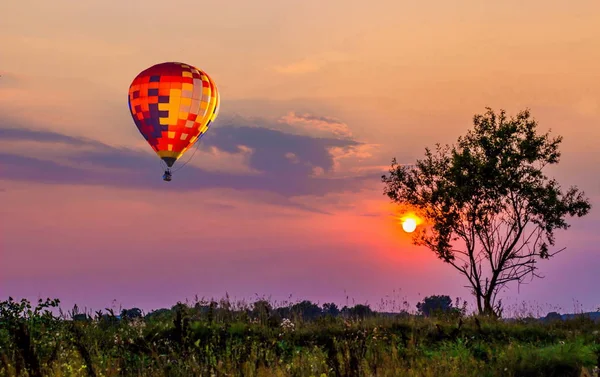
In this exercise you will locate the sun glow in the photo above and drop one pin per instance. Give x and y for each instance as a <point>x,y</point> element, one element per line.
<point>409,224</point>
<point>409,221</point>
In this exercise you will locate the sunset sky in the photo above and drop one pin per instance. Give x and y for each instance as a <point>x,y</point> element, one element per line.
<point>283,197</point>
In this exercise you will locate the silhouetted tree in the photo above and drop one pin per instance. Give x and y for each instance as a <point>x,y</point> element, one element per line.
<point>358,311</point>
<point>284,311</point>
<point>131,313</point>
<point>331,309</point>
<point>158,314</point>
<point>432,305</point>
<point>307,310</point>
<point>553,316</point>
<point>490,193</point>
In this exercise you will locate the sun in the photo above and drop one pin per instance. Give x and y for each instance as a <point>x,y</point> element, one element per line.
<point>409,219</point>
<point>409,225</point>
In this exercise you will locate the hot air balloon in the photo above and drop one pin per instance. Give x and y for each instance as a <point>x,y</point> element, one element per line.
<point>173,105</point>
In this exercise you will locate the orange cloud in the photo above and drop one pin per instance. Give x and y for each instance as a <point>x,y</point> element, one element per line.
<point>213,159</point>
<point>347,160</point>
<point>317,125</point>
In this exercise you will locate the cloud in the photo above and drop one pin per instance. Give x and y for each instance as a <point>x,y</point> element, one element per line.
<point>16,134</point>
<point>278,153</point>
<point>312,64</point>
<point>213,159</point>
<point>318,171</point>
<point>241,157</point>
<point>71,106</point>
<point>317,125</point>
<point>292,157</point>
<point>355,160</point>
<point>8,80</point>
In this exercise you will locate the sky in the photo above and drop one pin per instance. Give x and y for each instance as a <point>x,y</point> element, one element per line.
<point>283,197</point>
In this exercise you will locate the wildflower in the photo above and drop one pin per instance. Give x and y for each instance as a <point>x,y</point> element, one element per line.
<point>138,325</point>
<point>287,325</point>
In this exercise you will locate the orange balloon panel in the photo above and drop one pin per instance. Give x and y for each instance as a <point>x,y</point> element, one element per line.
<point>172,105</point>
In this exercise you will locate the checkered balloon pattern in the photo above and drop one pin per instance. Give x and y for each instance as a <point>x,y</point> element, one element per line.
<point>173,105</point>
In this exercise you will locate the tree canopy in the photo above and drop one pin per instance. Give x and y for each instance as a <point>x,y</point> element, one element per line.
<point>432,305</point>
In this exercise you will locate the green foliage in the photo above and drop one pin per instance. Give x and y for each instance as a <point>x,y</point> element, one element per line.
<point>218,339</point>
<point>565,359</point>
<point>32,336</point>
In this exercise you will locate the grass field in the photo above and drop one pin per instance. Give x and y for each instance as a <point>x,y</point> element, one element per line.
<point>222,339</point>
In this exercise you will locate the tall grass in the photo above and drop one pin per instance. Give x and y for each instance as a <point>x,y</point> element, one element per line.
<point>254,339</point>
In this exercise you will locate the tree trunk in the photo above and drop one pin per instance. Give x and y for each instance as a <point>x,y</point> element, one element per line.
<point>479,307</point>
<point>488,308</point>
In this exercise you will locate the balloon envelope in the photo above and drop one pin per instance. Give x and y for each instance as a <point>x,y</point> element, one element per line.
<point>173,105</point>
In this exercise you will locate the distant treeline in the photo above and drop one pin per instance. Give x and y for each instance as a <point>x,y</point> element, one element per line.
<point>264,311</point>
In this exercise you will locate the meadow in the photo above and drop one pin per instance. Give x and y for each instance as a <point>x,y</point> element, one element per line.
<point>221,338</point>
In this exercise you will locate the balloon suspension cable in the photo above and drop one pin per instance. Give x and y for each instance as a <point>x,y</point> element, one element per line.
<point>189,159</point>
<point>162,165</point>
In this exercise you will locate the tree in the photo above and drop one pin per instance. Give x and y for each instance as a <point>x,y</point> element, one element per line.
<point>158,314</point>
<point>435,304</point>
<point>489,209</point>
<point>307,310</point>
<point>358,311</point>
<point>553,317</point>
<point>131,313</point>
<point>330,308</point>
